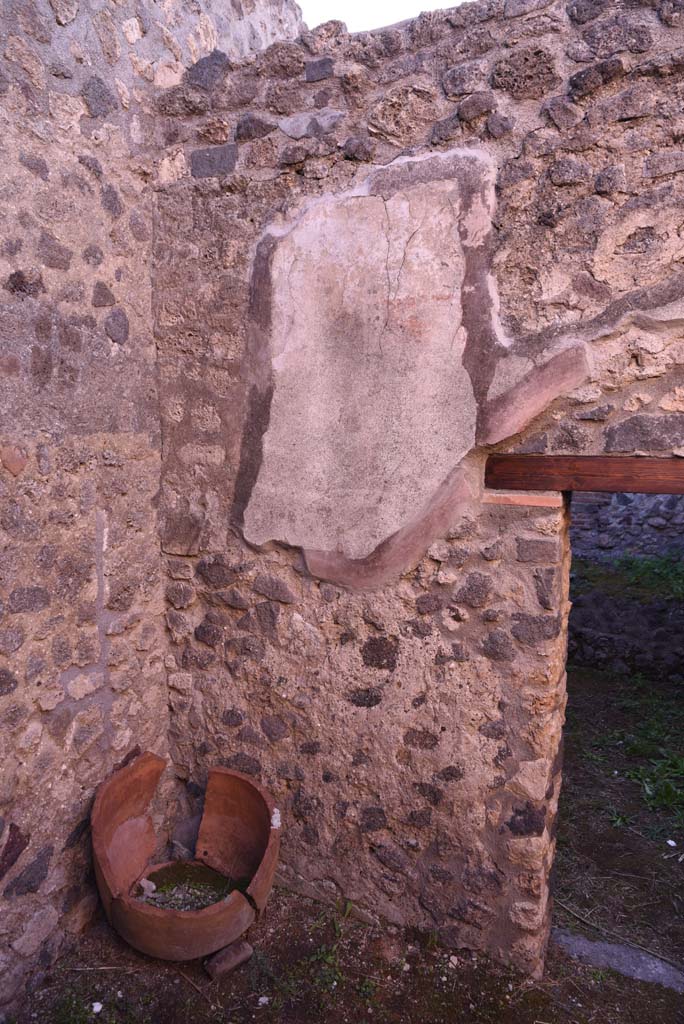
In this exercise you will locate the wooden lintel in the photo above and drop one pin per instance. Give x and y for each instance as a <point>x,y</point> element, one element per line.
<point>647,475</point>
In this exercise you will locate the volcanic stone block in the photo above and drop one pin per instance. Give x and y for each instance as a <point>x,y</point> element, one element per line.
<point>499,125</point>
<point>588,80</point>
<point>420,739</point>
<point>28,599</point>
<point>527,820</point>
<point>613,35</point>
<point>253,126</point>
<point>498,646</point>
<point>365,697</point>
<point>111,201</point>
<point>15,845</point>
<point>381,652</point>
<point>8,682</point>
<point>534,629</point>
<point>567,171</point>
<point>22,282</point>
<point>317,70</point>
<point>116,326</point>
<point>102,295</point>
<point>99,98</point>
<point>611,179</point>
<point>475,591</point>
<point>464,78</point>
<point>273,588</point>
<point>35,164</point>
<point>372,819</point>
<point>526,74</point>
<point>537,550</point>
<point>446,130</point>
<point>475,106</point>
<point>358,148</point>
<point>33,875</point>
<point>213,161</point>
<point>209,71</point>
<point>657,165</point>
<point>644,433</point>
<point>583,11</point>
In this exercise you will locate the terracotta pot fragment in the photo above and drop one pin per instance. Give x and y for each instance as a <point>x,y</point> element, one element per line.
<point>239,837</point>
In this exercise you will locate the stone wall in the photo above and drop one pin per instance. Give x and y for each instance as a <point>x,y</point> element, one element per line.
<point>410,734</point>
<point>609,526</point>
<point>265,319</point>
<point>383,256</point>
<point>82,637</point>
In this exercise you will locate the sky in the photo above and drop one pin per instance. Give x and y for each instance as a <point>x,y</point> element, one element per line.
<point>362,15</point>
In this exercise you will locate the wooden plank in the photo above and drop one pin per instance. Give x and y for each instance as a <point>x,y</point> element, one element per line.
<point>647,475</point>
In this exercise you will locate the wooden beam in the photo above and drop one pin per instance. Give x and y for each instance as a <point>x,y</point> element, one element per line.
<point>648,475</point>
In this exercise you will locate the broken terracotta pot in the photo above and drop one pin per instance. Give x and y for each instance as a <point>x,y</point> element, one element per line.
<point>239,837</point>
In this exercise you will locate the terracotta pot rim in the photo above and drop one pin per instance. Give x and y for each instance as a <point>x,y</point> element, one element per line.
<point>166,932</point>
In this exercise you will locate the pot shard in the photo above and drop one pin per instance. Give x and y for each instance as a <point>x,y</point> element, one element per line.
<point>239,837</point>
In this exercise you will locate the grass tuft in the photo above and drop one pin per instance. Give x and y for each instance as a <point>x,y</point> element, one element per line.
<point>644,578</point>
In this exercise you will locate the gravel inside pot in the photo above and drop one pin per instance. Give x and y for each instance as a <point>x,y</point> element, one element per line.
<point>186,886</point>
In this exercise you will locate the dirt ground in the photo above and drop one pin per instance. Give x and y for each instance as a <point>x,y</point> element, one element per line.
<point>320,965</point>
<point>622,811</point>
<point>314,965</point>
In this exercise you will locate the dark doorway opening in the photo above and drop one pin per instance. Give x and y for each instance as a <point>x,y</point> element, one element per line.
<point>619,870</point>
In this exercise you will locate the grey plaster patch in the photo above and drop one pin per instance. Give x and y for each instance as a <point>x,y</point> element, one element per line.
<point>372,406</point>
<point>374,347</point>
<point>624,959</point>
<point>374,326</point>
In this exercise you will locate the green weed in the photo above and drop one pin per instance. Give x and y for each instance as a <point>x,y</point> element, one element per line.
<point>661,576</point>
<point>72,1010</point>
<point>617,819</point>
<point>261,973</point>
<point>662,782</point>
<point>325,967</point>
<point>366,988</point>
